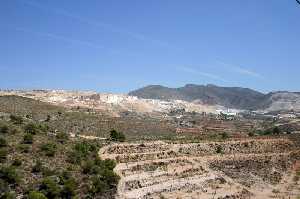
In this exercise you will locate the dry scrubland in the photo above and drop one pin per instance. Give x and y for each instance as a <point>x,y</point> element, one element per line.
<point>253,168</point>
<point>227,161</point>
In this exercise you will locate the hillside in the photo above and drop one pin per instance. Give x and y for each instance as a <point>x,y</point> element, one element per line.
<point>230,97</point>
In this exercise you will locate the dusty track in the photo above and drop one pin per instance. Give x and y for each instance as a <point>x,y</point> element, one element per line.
<point>232,169</point>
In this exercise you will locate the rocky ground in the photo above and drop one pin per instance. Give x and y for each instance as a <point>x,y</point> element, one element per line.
<point>251,168</point>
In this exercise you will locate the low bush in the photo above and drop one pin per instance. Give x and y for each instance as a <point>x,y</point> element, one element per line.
<point>24,148</point>
<point>9,175</point>
<point>4,129</point>
<point>36,195</point>
<point>28,138</point>
<point>62,137</point>
<point>50,188</point>
<point>31,128</point>
<point>3,142</point>
<point>16,119</point>
<point>49,149</point>
<point>3,154</point>
<point>17,162</point>
<point>38,167</point>
<point>117,136</point>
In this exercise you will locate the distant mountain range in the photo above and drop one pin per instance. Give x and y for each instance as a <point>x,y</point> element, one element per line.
<point>231,97</point>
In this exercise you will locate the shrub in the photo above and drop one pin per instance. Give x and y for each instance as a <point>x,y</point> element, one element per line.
<point>49,149</point>
<point>98,185</point>
<point>38,167</point>
<point>48,118</point>
<point>4,129</point>
<point>3,154</point>
<point>36,195</point>
<point>117,136</point>
<point>109,164</point>
<point>3,142</point>
<point>16,119</point>
<point>68,189</point>
<point>9,174</point>
<point>28,138</point>
<point>74,157</point>
<point>62,137</point>
<point>276,130</point>
<point>31,129</point>
<point>9,195</point>
<point>251,134</point>
<point>224,135</point>
<point>24,148</point>
<point>17,162</point>
<point>110,177</point>
<point>15,130</point>
<point>87,166</point>
<point>43,127</point>
<point>50,188</point>
<point>219,149</point>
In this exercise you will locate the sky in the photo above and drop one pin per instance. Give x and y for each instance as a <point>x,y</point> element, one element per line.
<point>118,46</point>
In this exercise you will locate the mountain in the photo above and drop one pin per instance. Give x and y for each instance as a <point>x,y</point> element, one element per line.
<point>231,97</point>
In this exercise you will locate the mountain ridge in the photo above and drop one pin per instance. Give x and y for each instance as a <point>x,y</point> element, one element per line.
<point>231,97</point>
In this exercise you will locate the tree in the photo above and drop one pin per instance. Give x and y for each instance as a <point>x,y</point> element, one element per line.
<point>117,136</point>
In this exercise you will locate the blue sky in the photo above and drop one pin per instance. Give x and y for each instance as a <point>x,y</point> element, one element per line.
<point>117,46</point>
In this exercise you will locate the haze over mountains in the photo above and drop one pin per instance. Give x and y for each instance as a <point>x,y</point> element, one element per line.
<point>231,97</point>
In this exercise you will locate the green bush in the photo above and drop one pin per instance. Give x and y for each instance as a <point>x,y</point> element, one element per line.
<point>224,135</point>
<point>15,130</point>
<point>28,138</point>
<point>251,134</point>
<point>62,137</point>
<point>74,157</point>
<point>3,186</point>
<point>109,164</point>
<point>9,195</point>
<point>4,129</point>
<point>88,166</point>
<point>38,167</point>
<point>16,119</point>
<point>69,187</point>
<point>49,149</point>
<point>3,154</point>
<point>219,149</point>
<point>9,175</point>
<point>98,185</point>
<point>117,136</point>
<point>276,130</point>
<point>50,188</point>
<point>3,142</point>
<point>31,129</point>
<point>36,195</point>
<point>17,162</point>
<point>24,148</point>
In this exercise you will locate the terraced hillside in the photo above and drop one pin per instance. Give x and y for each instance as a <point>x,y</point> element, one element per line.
<point>253,168</point>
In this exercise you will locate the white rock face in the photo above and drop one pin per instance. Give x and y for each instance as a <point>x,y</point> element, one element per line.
<point>111,102</point>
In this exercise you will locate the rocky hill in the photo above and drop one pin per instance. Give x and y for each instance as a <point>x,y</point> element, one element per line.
<point>231,97</point>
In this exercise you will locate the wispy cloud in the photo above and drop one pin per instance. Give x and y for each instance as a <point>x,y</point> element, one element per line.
<point>241,70</point>
<point>58,37</point>
<point>200,73</point>
<point>99,24</point>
